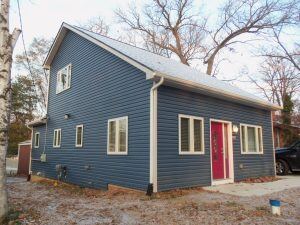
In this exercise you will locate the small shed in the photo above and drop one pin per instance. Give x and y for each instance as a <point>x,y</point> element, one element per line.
<point>24,155</point>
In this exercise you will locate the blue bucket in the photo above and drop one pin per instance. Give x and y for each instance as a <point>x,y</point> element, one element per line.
<point>274,202</point>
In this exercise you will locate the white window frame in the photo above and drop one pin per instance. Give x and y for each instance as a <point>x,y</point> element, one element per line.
<point>77,145</point>
<point>191,136</point>
<point>38,140</point>
<point>256,137</point>
<point>55,145</point>
<point>69,73</point>
<point>117,150</point>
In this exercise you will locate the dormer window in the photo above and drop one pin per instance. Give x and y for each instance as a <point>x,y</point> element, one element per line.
<point>63,79</point>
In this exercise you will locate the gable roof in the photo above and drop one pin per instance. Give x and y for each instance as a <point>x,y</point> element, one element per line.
<point>175,73</point>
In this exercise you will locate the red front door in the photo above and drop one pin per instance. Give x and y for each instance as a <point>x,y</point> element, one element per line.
<point>217,150</point>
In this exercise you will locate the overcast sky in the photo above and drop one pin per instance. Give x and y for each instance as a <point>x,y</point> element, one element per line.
<point>42,18</point>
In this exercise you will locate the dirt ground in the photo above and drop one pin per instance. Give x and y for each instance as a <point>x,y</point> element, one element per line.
<point>46,202</point>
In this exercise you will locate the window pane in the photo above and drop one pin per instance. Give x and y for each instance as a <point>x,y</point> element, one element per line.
<point>251,139</point>
<point>185,128</point>
<point>112,135</point>
<point>79,136</point>
<point>259,139</point>
<point>198,136</point>
<point>37,137</point>
<point>69,77</point>
<point>122,135</point>
<point>58,137</point>
<point>64,78</point>
<point>243,138</point>
<point>55,138</point>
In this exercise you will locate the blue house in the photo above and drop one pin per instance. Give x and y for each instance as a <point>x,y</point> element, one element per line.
<point>120,115</point>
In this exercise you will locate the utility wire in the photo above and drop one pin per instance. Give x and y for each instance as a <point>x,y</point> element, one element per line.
<point>25,51</point>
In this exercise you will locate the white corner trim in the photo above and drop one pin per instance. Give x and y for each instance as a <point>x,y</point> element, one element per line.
<point>117,152</point>
<point>153,134</point>
<point>273,149</point>
<point>191,135</point>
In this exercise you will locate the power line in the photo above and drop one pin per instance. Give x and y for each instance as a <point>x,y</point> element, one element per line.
<point>25,51</point>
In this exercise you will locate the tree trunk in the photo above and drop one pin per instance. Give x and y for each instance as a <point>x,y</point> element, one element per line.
<point>7,43</point>
<point>210,64</point>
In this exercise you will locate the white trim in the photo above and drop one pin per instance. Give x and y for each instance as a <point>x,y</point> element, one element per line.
<point>69,77</point>
<point>219,93</point>
<point>230,178</point>
<point>36,146</point>
<point>117,144</point>
<point>54,140</point>
<point>47,105</point>
<point>153,134</point>
<point>274,157</point>
<point>77,145</point>
<point>256,139</point>
<point>191,135</point>
<point>60,36</point>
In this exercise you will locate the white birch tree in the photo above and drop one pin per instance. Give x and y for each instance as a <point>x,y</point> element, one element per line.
<point>7,44</point>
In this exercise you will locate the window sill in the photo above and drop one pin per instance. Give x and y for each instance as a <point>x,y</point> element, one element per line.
<point>63,90</point>
<point>252,153</point>
<point>191,153</point>
<point>117,153</point>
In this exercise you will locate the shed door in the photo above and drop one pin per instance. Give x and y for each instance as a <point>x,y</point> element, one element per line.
<point>24,160</point>
<point>217,150</point>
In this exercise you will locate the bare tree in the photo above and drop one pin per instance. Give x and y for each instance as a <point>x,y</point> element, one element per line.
<point>279,79</point>
<point>32,62</point>
<point>252,17</point>
<point>167,26</point>
<point>97,25</point>
<point>293,55</point>
<point>7,44</point>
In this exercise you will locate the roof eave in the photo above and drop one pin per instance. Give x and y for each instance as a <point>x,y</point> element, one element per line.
<point>38,122</point>
<point>221,94</point>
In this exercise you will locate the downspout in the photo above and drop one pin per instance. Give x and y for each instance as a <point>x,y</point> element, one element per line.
<point>152,187</point>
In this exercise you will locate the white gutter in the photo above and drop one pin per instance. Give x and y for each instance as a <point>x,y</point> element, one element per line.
<point>153,133</point>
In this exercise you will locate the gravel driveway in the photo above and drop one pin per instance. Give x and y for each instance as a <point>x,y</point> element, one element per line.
<point>44,202</point>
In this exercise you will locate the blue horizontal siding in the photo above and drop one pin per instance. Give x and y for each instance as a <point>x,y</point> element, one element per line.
<point>176,171</point>
<point>102,87</point>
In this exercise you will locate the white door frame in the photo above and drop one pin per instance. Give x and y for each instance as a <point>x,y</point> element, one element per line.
<point>230,153</point>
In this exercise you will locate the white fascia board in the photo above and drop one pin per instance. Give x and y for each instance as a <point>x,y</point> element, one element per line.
<point>200,88</point>
<point>61,34</point>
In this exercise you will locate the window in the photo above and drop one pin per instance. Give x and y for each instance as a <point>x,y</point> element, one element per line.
<point>79,135</point>
<point>57,138</point>
<point>191,135</point>
<point>63,79</point>
<point>36,139</point>
<point>117,140</point>
<point>251,139</point>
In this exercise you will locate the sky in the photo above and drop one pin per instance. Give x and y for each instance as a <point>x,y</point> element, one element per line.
<point>42,18</point>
